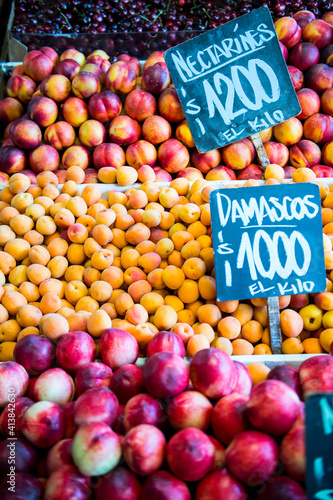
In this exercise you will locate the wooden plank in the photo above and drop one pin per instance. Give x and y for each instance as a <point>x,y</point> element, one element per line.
<point>274,324</point>
<point>258,144</point>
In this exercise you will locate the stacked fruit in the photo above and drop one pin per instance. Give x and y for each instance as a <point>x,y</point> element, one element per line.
<point>163,431</point>
<point>78,16</point>
<point>141,261</point>
<point>137,121</point>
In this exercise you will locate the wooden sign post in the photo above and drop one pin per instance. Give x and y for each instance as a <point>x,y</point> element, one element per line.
<point>319,446</point>
<point>233,82</point>
<point>268,242</point>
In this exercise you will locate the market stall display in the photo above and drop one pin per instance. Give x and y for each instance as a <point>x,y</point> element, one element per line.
<point>122,375</point>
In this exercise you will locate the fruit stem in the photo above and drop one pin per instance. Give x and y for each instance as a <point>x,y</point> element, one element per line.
<point>66,19</point>
<point>78,12</point>
<point>158,15</point>
<point>143,17</point>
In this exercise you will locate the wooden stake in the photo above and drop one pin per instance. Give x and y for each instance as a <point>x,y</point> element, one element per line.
<point>272,302</point>
<point>258,144</point>
<point>274,324</point>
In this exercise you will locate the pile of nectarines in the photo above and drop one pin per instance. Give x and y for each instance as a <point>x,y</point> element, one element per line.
<point>122,123</point>
<point>211,428</point>
<point>140,260</point>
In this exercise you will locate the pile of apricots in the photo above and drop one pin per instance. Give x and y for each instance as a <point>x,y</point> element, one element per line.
<point>142,261</point>
<point>65,110</point>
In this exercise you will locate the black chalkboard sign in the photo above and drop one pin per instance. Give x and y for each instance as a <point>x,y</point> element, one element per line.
<point>232,81</point>
<point>319,446</point>
<point>267,241</point>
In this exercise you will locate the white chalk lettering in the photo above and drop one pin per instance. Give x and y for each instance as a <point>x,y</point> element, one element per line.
<point>326,415</point>
<point>224,52</point>
<point>257,210</point>
<point>251,254</point>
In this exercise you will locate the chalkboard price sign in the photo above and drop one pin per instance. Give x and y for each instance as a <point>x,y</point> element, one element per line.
<point>267,241</point>
<point>232,81</point>
<point>319,446</point>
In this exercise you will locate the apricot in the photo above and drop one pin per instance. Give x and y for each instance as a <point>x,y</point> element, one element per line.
<point>74,291</point>
<point>22,201</point>
<point>54,326</point>
<point>291,323</point>
<point>78,321</point>
<point>138,289</point>
<point>12,301</point>
<point>174,302</point>
<point>165,318</point>
<point>179,238</point>
<point>28,315</point>
<point>97,322</point>
<point>292,346</point>
<point>326,339</point>
<point>18,275</point>
<point>33,237</point>
<point>123,302</point>
<point>21,224</point>
<point>86,304</point>
<point>151,301</point>
<point>189,291</point>
<point>7,213</point>
<point>229,327</point>
<point>9,330</point>
<point>223,344</point>
<point>209,313</point>
<point>204,329</point>
<point>197,343</point>
<point>39,255</point>
<point>113,276</point>
<point>102,259</point>
<point>45,225</point>
<point>260,315</point>
<point>50,303</point>
<point>3,314</point>
<point>7,351</point>
<point>29,330</point>
<point>100,291</point>
<point>18,248</point>
<point>137,314</point>
<point>126,176</point>
<point>243,313</point>
<point>194,268</point>
<point>35,211</point>
<point>274,171</point>
<point>75,174</point>
<point>18,183</point>
<point>312,346</point>
<point>74,272</point>
<point>30,291</point>
<point>242,347</point>
<point>303,174</point>
<point>37,273</point>
<point>173,277</point>
<point>324,300</point>
<point>57,247</point>
<point>7,234</point>
<point>252,331</point>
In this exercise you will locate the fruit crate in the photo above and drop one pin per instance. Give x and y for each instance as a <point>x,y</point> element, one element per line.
<point>136,44</point>
<point>293,360</point>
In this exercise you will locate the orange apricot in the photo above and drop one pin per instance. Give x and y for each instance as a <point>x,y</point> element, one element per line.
<point>258,372</point>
